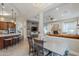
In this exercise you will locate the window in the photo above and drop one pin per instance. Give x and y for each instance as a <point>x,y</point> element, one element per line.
<point>45,29</point>
<point>69,27</point>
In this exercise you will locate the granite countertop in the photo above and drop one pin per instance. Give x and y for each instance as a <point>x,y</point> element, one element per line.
<point>4,35</point>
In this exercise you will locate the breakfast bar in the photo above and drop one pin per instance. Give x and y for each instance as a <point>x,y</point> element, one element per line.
<point>9,40</point>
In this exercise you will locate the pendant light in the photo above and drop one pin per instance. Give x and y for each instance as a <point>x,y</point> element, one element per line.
<point>12,20</point>
<point>15,18</point>
<point>2,17</point>
<point>12,13</point>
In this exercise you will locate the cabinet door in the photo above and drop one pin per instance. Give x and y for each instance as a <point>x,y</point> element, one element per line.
<point>1,43</point>
<point>11,25</point>
<point>3,26</point>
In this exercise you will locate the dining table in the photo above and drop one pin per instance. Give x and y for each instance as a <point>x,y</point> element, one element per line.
<point>58,47</point>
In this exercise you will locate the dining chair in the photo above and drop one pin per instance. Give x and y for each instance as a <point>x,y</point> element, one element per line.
<point>41,51</point>
<point>66,53</point>
<point>31,46</point>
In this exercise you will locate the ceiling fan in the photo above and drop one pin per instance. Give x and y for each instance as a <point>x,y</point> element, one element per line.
<point>51,18</point>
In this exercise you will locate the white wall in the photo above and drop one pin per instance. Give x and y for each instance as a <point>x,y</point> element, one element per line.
<point>21,23</point>
<point>50,25</point>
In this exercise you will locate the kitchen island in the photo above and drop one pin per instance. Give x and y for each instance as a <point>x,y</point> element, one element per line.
<point>8,39</point>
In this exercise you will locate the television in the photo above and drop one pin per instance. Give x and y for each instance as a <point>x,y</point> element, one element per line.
<point>33,29</point>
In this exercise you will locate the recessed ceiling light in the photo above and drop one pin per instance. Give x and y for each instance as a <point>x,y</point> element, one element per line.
<point>62,15</point>
<point>3,7</point>
<point>57,8</point>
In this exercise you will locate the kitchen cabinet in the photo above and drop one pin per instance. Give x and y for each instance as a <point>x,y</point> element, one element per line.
<point>3,26</point>
<point>6,25</point>
<point>11,25</point>
<point>1,43</point>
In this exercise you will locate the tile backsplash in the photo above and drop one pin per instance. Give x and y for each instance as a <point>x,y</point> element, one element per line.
<point>3,31</point>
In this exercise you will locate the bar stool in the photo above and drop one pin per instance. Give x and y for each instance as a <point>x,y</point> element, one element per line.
<point>7,42</point>
<point>20,38</point>
<point>15,40</point>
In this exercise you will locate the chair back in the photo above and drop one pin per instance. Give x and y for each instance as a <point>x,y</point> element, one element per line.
<point>30,42</point>
<point>39,47</point>
<point>38,42</point>
<point>66,53</point>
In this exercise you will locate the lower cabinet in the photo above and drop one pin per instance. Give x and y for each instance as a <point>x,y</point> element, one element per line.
<point>1,43</point>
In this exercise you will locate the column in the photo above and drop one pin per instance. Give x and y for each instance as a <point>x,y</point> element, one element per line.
<point>25,29</point>
<point>41,28</point>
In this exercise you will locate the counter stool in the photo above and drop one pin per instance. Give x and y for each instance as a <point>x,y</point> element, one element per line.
<point>15,40</point>
<point>20,38</point>
<point>7,42</point>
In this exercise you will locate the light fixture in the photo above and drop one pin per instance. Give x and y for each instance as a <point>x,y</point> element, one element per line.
<point>12,20</point>
<point>51,18</point>
<point>57,8</point>
<point>13,17</point>
<point>2,5</point>
<point>62,15</point>
<point>55,19</point>
<point>2,12</point>
<point>2,18</point>
<point>12,13</point>
<point>5,13</point>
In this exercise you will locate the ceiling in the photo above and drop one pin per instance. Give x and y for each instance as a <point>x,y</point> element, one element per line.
<point>26,10</point>
<point>30,11</point>
<point>63,11</point>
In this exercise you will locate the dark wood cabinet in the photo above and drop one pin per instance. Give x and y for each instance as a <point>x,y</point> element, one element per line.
<point>1,43</point>
<point>12,40</point>
<point>6,25</point>
<point>3,26</point>
<point>11,25</point>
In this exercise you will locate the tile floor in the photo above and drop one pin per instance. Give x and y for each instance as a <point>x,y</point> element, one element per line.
<point>20,49</point>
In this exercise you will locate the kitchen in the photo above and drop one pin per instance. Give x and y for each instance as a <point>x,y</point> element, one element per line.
<point>8,32</point>
<point>58,26</point>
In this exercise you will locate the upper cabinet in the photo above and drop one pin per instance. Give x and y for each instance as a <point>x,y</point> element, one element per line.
<point>11,25</point>
<point>6,25</point>
<point>3,25</point>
